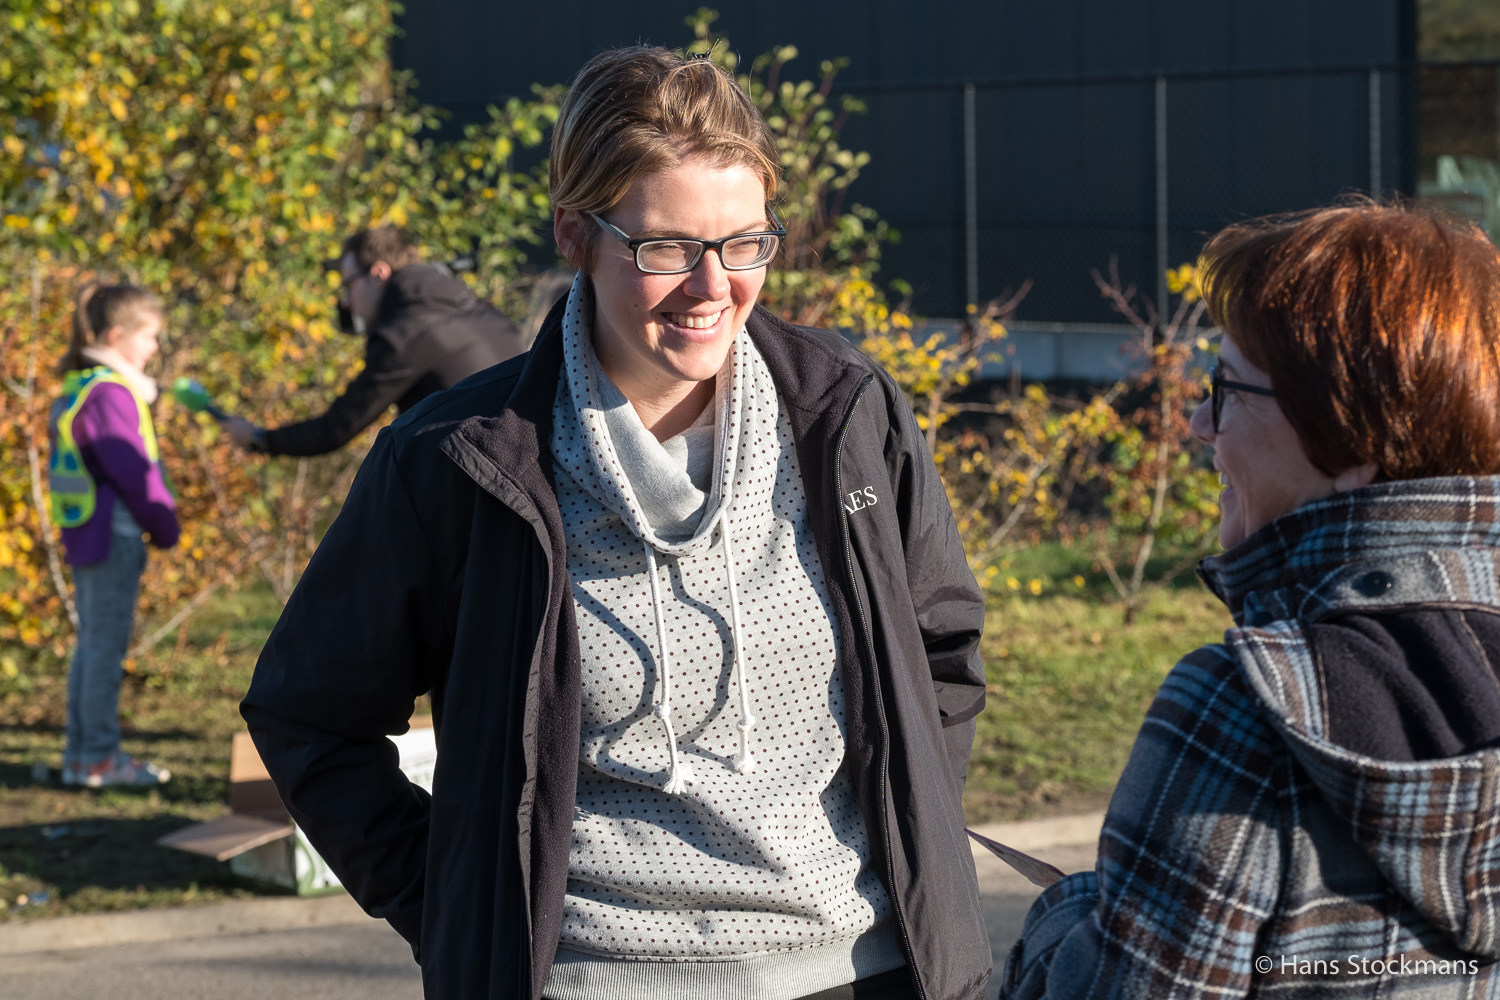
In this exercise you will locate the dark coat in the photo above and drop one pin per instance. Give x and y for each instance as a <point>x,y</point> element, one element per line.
<point>1309,809</point>
<point>432,332</point>
<point>447,571</point>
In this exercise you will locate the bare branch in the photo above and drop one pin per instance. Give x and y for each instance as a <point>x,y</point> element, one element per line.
<point>1122,299</point>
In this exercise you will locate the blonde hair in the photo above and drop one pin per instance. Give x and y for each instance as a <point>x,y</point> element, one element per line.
<point>643,110</point>
<point>101,308</point>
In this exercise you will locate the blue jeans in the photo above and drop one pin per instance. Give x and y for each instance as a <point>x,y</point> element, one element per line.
<point>106,610</point>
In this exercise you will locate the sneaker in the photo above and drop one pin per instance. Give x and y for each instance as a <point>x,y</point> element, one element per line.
<point>119,771</point>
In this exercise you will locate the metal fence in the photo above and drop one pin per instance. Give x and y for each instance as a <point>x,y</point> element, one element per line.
<point>994,182</point>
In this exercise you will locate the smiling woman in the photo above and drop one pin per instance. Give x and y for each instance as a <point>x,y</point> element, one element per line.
<point>701,637</point>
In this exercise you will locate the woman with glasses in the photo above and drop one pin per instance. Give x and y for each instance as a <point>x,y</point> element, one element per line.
<point>687,593</point>
<point>1309,809</point>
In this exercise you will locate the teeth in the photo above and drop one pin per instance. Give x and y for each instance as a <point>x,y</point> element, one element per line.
<point>1223,479</point>
<point>695,322</point>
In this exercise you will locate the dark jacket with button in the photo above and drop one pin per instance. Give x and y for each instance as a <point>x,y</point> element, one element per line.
<point>1311,807</point>
<point>431,333</point>
<point>467,596</point>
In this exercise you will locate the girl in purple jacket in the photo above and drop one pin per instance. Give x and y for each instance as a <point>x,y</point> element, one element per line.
<point>107,491</point>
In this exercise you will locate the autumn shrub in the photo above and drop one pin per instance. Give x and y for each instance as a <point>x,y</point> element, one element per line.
<point>217,153</point>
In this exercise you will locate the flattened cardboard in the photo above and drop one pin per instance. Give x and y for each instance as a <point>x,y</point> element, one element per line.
<point>223,838</point>
<point>258,837</point>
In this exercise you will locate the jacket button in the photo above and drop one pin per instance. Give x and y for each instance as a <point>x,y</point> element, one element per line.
<point>1374,583</point>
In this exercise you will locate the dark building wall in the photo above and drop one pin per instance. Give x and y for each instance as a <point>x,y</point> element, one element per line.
<point>470,52</point>
<point>1066,170</point>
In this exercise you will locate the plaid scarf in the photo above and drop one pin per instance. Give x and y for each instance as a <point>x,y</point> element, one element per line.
<point>1246,855</point>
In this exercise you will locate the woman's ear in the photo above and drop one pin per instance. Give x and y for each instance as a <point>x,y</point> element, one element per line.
<point>568,230</point>
<point>1354,478</point>
<point>113,336</point>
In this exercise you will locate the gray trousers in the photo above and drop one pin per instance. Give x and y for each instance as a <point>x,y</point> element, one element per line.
<point>106,594</point>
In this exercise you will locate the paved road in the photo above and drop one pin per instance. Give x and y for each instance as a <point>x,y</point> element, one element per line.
<point>352,961</point>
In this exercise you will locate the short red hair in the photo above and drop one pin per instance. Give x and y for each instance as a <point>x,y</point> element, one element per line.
<point>1380,329</point>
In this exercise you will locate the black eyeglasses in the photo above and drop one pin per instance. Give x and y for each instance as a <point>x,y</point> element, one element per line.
<point>1217,383</point>
<point>680,255</point>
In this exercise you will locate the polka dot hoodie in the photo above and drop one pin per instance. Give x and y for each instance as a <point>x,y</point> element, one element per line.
<point>718,848</point>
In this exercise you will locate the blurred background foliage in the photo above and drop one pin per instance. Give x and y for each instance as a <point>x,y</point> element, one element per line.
<point>218,153</point>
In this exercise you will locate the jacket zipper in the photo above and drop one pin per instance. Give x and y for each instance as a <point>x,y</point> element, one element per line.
<point>885,733</point>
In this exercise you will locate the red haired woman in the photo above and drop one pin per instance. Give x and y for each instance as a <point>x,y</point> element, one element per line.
<point>1310,808</point>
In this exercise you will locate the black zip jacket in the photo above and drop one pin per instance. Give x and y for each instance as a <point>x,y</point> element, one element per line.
<point>431,333</point>
<point>446,572</point>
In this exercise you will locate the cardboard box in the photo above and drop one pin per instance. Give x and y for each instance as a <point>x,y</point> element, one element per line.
<point>258,837</point>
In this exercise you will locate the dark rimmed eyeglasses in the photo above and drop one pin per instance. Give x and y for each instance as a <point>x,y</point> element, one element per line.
<point>679,255</point>
<point>1217,383</point>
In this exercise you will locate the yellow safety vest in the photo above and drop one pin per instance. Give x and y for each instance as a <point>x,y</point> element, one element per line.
<point>73,491</point>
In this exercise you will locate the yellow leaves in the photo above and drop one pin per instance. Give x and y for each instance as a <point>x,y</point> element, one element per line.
<point>231,101</point>
<point>16,222</point>
<point>1186,281</point>
<point>117,108</point>
<point>8,668</point>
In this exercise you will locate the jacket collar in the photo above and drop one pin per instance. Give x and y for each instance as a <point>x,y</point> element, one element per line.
<point>814,372</point>
<point>1397,543</point>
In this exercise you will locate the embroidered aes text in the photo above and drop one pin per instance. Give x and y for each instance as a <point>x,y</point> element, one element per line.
<point>860,499</point>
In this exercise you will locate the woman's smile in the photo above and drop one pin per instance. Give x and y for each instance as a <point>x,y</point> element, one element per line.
<point>690,321</point>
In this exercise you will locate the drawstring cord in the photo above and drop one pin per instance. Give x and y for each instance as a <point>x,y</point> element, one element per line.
<point>744,763</point>
<point>680,775</point>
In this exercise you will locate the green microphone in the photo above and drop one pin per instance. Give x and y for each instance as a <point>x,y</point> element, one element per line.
<point>191,394</point>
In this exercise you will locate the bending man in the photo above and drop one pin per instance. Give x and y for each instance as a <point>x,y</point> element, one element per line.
<point>424,331</point>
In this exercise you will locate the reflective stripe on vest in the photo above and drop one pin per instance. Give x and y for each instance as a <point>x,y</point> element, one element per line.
<point>74,493</point>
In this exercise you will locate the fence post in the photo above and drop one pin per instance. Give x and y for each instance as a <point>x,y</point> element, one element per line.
<point>971,201</point>
<point>1375,143</point>
<point>1162,262</point>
